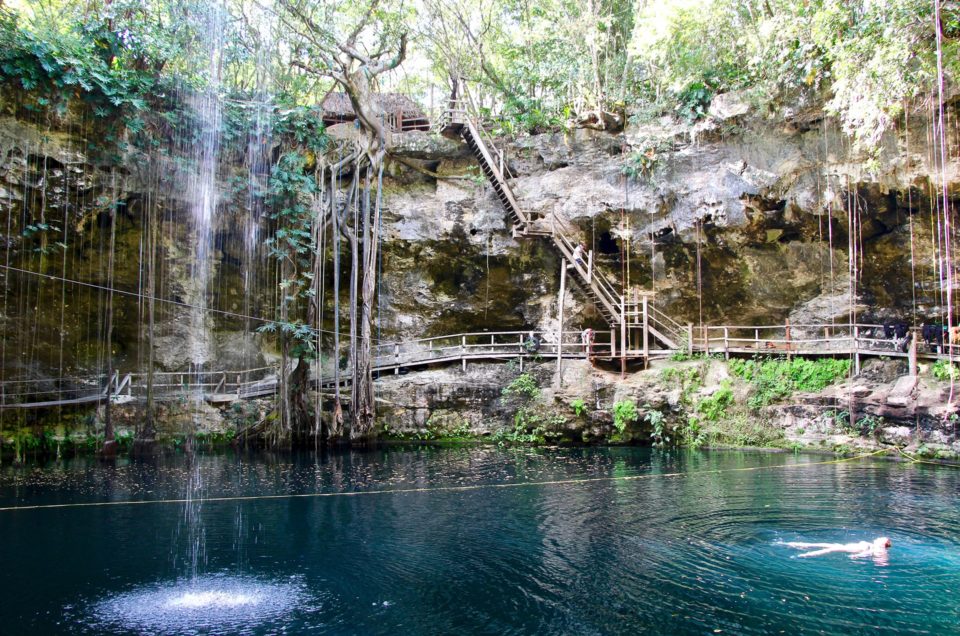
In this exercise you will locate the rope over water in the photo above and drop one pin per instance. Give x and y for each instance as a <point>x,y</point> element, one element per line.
<point>467,488</point>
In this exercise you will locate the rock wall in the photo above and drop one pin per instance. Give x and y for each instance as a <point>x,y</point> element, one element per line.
<point>879,410</point>
<point>742,218</point>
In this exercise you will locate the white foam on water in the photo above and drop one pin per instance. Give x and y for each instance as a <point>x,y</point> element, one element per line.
<point>195,600</point>
<point>223,602</point>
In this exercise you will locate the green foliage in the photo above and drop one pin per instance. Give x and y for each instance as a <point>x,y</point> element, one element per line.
<point>944,371</point>
<point>624,412</point>
<point>545,61</point>
<point>841,419</point>
<point>526,115</point>
<point>54,68</point>
<point>777,378</point>
<point>694,433</point>
<point>690,379</point>
<point>868,57</point>
<point>579,406</point>
<point>528,428</point>
<point>655,419</point>
<point>865,425</point>
<point>713,407</point>
<point>744,430</point>
<point>870,424</point>
<point>693,101</point>
<point>523,385</point>
<point>293,244</point>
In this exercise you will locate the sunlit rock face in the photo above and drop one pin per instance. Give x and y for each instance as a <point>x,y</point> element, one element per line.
<point>753,213</point>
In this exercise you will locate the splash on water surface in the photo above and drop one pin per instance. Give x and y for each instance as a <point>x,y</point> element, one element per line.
<point>223,603</point>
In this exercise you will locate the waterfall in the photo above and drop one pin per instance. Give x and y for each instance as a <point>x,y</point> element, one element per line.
<point>258,162</point>
<point>202,193</point>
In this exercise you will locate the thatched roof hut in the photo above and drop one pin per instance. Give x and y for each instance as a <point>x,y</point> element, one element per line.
<point>400,111</point>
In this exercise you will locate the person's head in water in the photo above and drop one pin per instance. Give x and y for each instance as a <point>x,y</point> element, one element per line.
<point>882,543</point>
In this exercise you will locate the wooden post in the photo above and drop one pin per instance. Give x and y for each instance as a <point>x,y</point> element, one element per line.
<point>623,337</point>
<point>789,354</point>
<point>500,153</point>
<point>856,351</point>
<point>590,267</point>
<point>521,353</point>
<point>689,339</point>
<point>912,355</point>
<point>756,339</point>
<point>463,352</point>
<point>726,343</point>
<point>613,344</point>
<point>646,333</point>
<point>396,358</point>
<point>563,291</point>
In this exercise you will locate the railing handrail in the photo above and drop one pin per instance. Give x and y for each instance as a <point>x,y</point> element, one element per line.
<point>510,344</point>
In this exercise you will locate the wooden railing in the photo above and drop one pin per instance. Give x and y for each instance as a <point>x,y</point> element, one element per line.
<point>250,383</point>
<point>764,340</point>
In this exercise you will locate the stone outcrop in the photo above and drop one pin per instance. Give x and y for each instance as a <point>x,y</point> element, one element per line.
<point>737,219</point>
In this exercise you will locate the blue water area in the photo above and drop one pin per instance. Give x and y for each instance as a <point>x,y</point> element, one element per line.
<point>478,540</point>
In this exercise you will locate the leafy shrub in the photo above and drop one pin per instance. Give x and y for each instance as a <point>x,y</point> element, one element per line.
<point>579,406</point>
<point>693,101</point>
<point>944,370</point>
<point>642,162</point>
<point>743,430</point>
<point>713,407</point>
<point>528,428</point>
<point>777,378</point>
<point>76,63</point>
<point>690,379</point>
<point>694,433</point>
<point>524,384</point>
<point>624,412</point>
<point>654,418</point>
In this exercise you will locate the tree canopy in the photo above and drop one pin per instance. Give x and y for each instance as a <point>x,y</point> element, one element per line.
<point>535,63</point>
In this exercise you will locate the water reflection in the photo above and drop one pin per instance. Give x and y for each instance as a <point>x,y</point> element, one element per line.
<point>582,547</point>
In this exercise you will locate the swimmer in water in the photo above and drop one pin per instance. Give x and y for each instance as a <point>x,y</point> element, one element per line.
<point>861,549</point>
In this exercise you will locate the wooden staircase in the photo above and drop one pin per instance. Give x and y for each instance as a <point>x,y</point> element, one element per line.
<point>493,170</point>
<point>615,309</point>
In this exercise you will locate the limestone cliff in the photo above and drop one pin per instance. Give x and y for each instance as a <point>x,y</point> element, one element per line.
<point>743,218</point>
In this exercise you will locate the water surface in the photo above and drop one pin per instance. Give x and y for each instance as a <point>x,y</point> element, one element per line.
<point>480,540</point>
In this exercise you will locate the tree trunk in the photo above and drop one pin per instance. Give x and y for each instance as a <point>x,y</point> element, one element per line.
<point>363,396</point>
<point>354,349</point>
<point>336,422</point>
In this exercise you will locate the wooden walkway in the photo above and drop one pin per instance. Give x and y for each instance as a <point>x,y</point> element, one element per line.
<point>228,386</point>
<point>855,342</point>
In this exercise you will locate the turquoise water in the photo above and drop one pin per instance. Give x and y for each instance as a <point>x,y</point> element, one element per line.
<point>451,550</point>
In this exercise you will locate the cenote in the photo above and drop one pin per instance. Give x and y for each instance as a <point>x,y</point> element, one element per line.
<point>478,540</point>
<point>445,317</point>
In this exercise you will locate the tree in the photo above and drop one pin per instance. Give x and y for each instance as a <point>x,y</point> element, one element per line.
<point>353,46</point>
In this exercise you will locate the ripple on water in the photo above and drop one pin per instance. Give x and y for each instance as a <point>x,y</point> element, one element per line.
<point>219,604</point>
<point>692,552</point>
